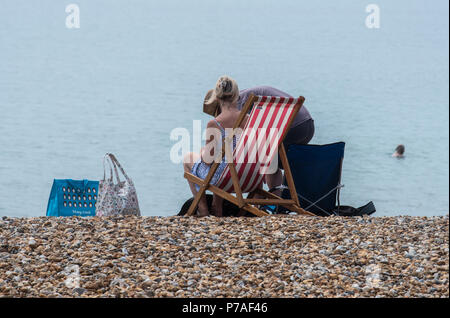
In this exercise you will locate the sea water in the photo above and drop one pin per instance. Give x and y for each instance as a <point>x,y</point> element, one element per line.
<point>135,71</point>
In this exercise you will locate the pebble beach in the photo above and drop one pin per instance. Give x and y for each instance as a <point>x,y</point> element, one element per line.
<point>276,256</point>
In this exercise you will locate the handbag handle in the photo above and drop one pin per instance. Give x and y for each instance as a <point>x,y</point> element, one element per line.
<point>110,164</point>
<point>117,164</point>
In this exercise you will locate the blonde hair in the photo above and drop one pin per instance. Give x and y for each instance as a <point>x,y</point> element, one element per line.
<point>226,89</point>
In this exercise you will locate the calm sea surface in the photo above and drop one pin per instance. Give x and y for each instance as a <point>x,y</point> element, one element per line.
<point>136,70</point>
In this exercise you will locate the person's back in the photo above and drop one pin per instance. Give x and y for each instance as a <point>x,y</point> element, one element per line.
<point>302,116</point>
<point>301,131</point>
<point>227,120</point>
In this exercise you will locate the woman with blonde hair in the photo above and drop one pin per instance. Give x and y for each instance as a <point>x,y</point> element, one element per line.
<point>225,97</point>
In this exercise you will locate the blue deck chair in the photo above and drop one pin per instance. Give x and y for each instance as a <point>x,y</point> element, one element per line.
<point>316,170</point>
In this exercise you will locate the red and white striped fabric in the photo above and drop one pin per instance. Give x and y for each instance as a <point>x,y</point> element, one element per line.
<point>258,144</point>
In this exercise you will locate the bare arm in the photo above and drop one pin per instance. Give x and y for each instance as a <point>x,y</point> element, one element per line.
<point>213,138</point>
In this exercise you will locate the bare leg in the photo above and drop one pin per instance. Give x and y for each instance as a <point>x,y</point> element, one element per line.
<point>217,205</point>
<point>188,162</point>
<point>275,180</point>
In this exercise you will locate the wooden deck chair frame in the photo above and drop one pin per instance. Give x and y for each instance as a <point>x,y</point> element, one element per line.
<point>250,203</point>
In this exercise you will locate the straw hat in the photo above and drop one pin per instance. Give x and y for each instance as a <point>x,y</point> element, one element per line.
<point>210,104</point>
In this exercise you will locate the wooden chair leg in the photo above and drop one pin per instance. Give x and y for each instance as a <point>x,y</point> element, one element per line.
<point>250,195</point>
<point>203,188</point>
<point>299,210</point>
<point>196,201</point>
<point>254,210</point>
<point>288,174</point>
<point>236,185</point>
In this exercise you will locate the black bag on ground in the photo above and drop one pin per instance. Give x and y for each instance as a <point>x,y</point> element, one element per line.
<point>342,210</point>
<point>345,210</point>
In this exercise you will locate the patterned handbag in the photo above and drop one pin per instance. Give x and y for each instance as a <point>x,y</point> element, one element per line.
<point>116,198</point>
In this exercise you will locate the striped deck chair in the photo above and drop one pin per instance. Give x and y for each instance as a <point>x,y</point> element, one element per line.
<point>253,156</point>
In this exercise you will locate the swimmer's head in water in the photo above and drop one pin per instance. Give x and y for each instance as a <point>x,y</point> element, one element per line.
<point>399,151</point>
